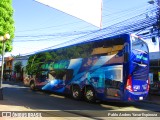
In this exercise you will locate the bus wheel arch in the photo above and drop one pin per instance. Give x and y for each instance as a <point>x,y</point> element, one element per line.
<point>89,93</point>
<point>32,85</point>
<point>76,92</point>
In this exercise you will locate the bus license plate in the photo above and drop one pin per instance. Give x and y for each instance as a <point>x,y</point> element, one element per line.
<point>140,98</point>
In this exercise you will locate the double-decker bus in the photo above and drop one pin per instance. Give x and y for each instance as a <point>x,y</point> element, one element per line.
<point>114,68</point>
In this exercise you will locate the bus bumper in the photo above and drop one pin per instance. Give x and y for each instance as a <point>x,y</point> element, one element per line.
<point>135,96</point>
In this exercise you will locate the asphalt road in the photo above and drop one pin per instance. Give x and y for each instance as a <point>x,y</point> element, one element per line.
<point>58,105</point>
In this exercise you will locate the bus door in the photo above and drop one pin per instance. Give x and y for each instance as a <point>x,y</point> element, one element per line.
<point>113,83</point>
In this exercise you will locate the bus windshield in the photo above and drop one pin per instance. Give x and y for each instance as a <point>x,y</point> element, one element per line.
<point>139,45</point>
<point>140,51</point>
<point>140,59</point>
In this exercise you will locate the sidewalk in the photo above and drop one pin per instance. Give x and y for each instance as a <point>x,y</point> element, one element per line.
<point>7,105</point>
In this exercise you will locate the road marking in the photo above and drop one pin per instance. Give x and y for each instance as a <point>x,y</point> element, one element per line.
<point>57,96</point>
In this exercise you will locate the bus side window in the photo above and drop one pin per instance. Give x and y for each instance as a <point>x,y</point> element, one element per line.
<point>69,74</point>
<point>64,74</point>
<point>108,82</point>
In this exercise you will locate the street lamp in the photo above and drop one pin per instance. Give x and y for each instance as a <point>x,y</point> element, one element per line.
<point>3,39</point>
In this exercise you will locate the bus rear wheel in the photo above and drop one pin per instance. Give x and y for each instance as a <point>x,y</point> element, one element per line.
<point>76,93</point>
<point>89,94</point>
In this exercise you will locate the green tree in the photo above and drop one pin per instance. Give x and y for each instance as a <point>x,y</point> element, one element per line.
<point>17,67</point>
<point>6,23</point>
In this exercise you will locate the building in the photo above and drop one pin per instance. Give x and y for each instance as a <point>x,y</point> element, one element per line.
<point>23,60</point>
<point>9,70</point>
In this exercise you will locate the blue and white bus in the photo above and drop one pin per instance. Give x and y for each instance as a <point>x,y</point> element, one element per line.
<point>114,68</point>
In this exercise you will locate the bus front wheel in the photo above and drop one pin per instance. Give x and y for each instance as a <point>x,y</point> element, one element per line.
<point>89,94</point>
<point>76,92</point>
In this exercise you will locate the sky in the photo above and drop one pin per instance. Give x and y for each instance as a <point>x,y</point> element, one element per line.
<point>38,26</point>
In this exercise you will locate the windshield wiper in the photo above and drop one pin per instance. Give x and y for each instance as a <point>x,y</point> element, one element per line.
<point>140,64</point>
<point>140,51</point>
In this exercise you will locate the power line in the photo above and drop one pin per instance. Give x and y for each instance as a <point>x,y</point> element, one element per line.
<point>132,24</point>
<point>62,25</point>
<point>58,35</point>
<point>42,28</point>
<point>127,26</point>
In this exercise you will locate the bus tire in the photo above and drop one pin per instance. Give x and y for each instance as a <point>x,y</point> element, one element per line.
<point>32,85</point>
<point>76,92</point>
<point>89,94</point>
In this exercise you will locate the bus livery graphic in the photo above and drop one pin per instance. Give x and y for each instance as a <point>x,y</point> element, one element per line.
<point>112,68</point>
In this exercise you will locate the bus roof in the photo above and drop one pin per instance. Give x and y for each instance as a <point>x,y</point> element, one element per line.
<point>81,42</point>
